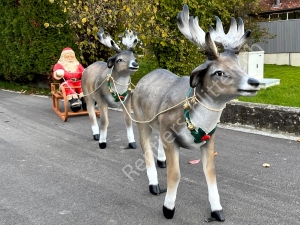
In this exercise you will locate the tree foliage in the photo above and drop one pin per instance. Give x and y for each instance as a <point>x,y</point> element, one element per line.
<point>35,31</point>
<point>155,21</point>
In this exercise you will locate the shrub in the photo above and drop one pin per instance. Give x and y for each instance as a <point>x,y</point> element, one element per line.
<point>28,50</point>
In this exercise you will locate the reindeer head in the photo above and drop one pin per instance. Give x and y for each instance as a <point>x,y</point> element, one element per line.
<point>221,74</point>
<point>124,61</point>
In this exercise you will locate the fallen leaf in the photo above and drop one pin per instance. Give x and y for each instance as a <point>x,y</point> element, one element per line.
<point>266,165</point>
<point>216,153</point>
<point>194,161</point>
<point>298,140</point>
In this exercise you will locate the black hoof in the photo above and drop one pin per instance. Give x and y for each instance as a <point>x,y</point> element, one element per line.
<point>132,145</point>
<point>161,164</point>
<point>168,213</point>
<point>96,137</point>
<point>216,216</point>
<point>102,145</point>
<point>155,189</point>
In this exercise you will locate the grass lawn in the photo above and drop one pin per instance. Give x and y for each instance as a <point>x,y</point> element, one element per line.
<point>285,94</point>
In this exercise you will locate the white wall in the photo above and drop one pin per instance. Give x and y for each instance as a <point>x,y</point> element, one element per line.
<point>292,59</point>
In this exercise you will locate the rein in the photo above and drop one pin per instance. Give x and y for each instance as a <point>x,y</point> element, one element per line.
<point>199,135</point>
<point>185,101</point>
<point>115,96</point>
<point>65,82</point>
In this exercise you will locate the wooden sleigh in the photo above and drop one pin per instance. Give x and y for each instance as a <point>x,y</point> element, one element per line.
<point>59,94</point>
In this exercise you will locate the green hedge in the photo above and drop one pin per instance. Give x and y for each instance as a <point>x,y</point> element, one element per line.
<point>28,50</point>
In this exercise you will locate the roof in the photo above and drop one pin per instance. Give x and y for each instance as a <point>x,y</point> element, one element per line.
<point>285,5</point>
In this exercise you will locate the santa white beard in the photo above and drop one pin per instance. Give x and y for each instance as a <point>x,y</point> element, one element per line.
<point>69,65</point>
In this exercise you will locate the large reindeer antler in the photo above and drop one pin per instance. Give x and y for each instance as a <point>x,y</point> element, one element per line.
<point>233,41</point>
<point>107,41</point>
<point>189,27</point>
<point>130,40</point>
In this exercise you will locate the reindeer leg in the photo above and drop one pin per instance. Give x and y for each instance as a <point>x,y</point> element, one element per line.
<point>128,122</point>
<point>103,108</point>
<point>145,138</point>
<point>207,153</point>
<point>92,116</point>
<point>161,156</point>
<point>173,178</point>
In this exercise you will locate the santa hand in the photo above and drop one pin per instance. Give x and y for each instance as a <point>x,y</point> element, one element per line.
<point>58,74</point>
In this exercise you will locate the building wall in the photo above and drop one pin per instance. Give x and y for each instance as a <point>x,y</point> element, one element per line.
<point>292,59</point>
<point>284,49</point>
<point>287,36</point>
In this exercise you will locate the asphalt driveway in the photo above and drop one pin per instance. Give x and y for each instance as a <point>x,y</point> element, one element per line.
<point>53,172</point>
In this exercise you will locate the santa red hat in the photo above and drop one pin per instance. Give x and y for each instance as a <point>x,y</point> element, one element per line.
<point>67,49</point>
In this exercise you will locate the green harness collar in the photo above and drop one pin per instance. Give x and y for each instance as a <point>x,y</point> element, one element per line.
<point>199,135</point>
<point>116,96</point>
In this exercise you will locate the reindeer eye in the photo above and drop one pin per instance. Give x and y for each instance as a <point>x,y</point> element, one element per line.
<point>219,73</point>
<point>120,60</point>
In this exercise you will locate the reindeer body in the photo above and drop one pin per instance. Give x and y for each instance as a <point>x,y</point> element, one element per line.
<point>102,82</point>
<point>215,82</point>
<point>168,89</point>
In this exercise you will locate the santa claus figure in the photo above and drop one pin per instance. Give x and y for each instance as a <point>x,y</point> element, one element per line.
<point>69,71</point>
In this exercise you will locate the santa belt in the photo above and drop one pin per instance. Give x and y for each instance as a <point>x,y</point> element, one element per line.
<point>74,79</point>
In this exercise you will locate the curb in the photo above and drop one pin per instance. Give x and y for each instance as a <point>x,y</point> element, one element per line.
<point>281,121</point>
<point>278,119</point>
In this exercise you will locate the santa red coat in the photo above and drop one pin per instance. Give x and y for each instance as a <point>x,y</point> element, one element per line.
<point>68,83</point>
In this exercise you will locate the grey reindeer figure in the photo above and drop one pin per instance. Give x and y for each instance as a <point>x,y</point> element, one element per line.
<point>109,83</point>
<point>185,110</point>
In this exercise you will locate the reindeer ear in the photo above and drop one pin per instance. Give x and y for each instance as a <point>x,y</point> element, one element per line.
<point>197,75</point>
<point>111,61</point>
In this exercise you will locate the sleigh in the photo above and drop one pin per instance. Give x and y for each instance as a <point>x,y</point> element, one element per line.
<point>62,110</point>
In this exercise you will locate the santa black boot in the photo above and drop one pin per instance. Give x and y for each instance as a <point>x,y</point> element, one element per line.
<point>74,104</point>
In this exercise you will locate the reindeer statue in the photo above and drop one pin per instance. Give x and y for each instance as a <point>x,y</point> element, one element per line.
<point>109,83</point>
<point>185,110</point>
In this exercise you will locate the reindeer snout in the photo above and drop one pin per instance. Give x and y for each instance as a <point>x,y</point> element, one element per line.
<point>134,64</point>
<point>253,82</point>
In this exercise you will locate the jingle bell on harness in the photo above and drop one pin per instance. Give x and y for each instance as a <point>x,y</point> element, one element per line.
<point>191,126</point>
<point>186,105</point>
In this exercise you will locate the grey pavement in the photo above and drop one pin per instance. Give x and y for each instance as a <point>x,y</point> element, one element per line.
<point>53,173</point>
